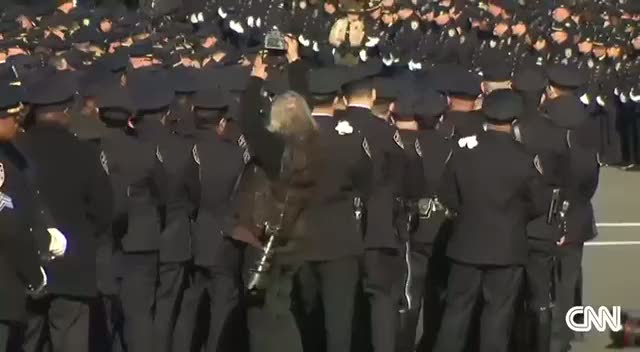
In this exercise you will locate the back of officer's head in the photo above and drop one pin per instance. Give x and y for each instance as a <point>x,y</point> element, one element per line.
<point>360,92</point>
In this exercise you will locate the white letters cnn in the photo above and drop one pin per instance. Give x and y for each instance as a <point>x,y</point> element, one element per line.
<point>592,319</point>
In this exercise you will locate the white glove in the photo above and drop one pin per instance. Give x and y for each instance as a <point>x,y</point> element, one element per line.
<point>371,42</point>
<point>258,23</point>
<point>315,47</point>
<point>584,98</point>
<point>363,55</point>
<point>303,41</point>
<point>221,13</point>
<point>200,17</point>
<point>250,21</point>
<point>58,244</point>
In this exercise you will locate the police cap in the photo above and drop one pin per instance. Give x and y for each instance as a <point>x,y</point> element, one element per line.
<point>150,91</point>
<point>11,98</point>
<point>565,111</point>
<point>566,76</point>
<point>503,105</point>
<point>529,80</point>
<point>52,92</point>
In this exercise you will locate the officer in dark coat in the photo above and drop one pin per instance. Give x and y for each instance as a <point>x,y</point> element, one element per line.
<point>382,259</point>
<point>540,137</point>
<point>463,89</point>
<point>488,244</point>
<point>139,185</point>
<point>20,270</point>
<point>174,154</point>
<point>334,248</point>
<point>427,216</point>
<point>75,189</point>
<point>569,114</point>
<point>218,160</point>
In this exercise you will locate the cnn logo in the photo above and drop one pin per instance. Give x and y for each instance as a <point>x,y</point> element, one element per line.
<point>595,319</point>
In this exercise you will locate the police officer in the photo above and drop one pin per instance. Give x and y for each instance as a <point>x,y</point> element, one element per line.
<point>175,239</point>
<point>433,151</point>
<point>487,260</point>
<point>139,184</point>
<point>75,189</point>
<point>218,159</point>
<point>334,247</point>
<point>463,89</point>
<point>20,270</point>
<point>382,259</point>
<point>541,137</point>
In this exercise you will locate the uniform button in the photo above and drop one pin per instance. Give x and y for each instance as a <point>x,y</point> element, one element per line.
<point>31,229</point>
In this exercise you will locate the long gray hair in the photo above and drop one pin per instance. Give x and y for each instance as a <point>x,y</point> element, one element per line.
<point>291,117</point>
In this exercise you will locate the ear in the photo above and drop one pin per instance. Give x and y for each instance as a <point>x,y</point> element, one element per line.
<point>374,95</point>
<point>392,107</point>
<point>483,87</point>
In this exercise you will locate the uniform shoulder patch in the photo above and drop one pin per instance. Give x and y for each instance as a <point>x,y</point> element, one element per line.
<point>398,139</point>
<point>2,176</point>
<point>196,156</point>
<point>365,147</point>
<point>517,134</point>
<point>159,155</point>
<point>242,142</point>
<point>538,164</point>
<point>418,148</point>
<point>104,162</point>
<point>246,156</point>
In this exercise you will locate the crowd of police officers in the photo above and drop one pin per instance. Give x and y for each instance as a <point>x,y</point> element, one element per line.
<point>460,145</point>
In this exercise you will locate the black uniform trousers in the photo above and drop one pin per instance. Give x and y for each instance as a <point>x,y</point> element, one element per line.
<point>539,278</point>
<point>61,321</point>
<point>425,297</point>
<point>137,294</point>
<point>569,273</point>
<point>271,323</point>
<point>222,286</point>
<point>383,268</point>
<point>5,333</point>
<point>499,287</point>
<point>335,282</point>
<point>272,326</point>
<point>171,278</point>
